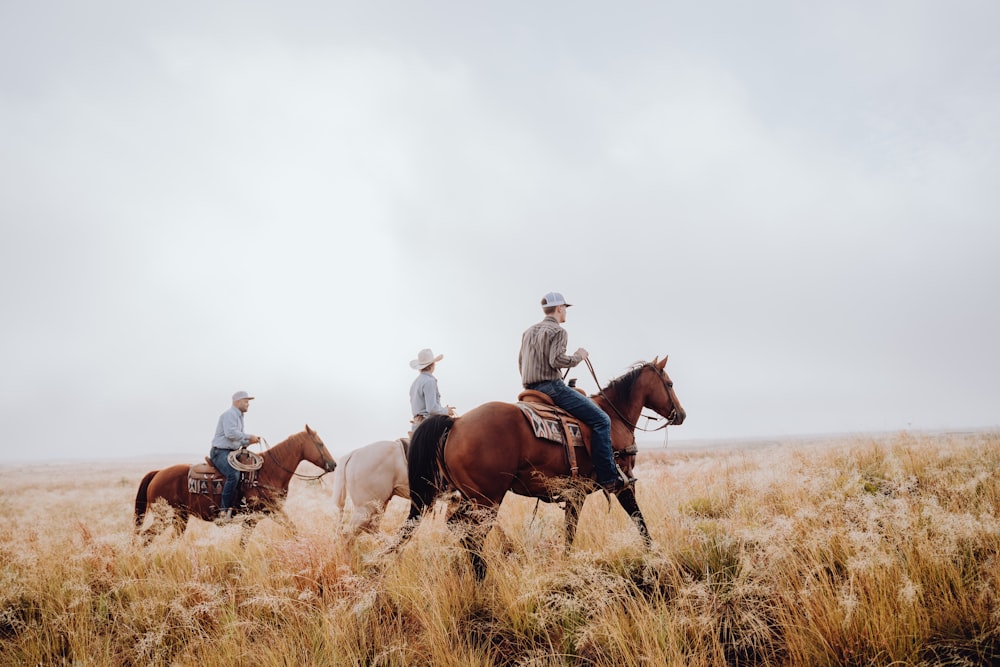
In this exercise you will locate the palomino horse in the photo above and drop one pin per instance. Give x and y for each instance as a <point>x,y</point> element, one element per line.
<point>370,476</point>
<point>265,496</point>
<point>493,449</point>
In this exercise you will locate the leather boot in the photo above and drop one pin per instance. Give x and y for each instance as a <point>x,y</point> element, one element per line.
<point>225,516</point>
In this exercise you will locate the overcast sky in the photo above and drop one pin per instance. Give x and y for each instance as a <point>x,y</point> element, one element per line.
<point>797,202</point>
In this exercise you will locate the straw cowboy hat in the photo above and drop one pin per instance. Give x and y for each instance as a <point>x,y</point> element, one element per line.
<point>424,359</point>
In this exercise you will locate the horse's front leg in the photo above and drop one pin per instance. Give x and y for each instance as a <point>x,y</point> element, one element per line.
<point>572,519</point>
<point>249,523</point>
<point>476,522</point>
<point>284,521</point>
<point>573,497</point>
<point>626,498</point>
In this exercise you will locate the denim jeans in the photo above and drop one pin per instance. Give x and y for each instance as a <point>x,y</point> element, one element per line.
<point>584,409</point>
<point>220,459</point>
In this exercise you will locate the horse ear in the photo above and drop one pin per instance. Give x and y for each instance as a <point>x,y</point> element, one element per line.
<point>309,430</point>
<point>662,363</point>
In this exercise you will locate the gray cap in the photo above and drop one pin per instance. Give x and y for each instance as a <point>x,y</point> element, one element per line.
<point>240,395</point>
<point>554,299</point>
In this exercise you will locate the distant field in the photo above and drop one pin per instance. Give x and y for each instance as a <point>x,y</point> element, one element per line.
<point>839,551</point>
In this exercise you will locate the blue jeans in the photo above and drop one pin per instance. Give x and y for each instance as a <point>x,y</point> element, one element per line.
<point>220,459</point>
<point>588,412</point>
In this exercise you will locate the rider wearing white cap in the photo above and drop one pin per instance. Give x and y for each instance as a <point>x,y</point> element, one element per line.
<point>543,354</point>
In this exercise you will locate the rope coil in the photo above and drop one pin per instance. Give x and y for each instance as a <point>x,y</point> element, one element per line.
<point>256,460</point>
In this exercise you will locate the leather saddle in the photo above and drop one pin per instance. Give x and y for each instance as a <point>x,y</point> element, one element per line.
<point>206,478</point>
<point>553,424</point>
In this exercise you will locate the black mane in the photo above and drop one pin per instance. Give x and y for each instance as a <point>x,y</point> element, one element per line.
<point>622,385</point>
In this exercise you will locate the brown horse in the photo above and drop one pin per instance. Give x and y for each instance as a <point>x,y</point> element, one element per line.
<point>492,449</point>
<point>265,496</point>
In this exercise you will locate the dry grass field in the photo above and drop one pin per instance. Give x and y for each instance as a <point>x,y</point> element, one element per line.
<point>852,551</point>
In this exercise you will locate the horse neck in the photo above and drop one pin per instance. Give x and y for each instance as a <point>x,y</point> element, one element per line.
<point>281,461</point>
<point>628,405</point>
<point>630,398</point>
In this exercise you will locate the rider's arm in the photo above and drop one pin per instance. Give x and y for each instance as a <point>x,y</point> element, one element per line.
<point>557,351</point>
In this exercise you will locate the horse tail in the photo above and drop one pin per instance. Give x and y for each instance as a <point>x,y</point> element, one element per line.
<point>141,499</point>
<point>422,466</point>
<point>340,483</point>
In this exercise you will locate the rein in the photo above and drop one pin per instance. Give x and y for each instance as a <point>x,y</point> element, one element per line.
<point>619,413</point>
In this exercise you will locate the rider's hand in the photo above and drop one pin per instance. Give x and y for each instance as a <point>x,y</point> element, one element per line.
<point>254,439</point>
<point>582,353</point>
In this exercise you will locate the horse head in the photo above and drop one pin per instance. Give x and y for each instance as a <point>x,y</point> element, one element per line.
<point>661,397</point>
<point>317,454</point>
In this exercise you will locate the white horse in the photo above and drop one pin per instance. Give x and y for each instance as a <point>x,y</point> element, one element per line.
<point>371,476</point>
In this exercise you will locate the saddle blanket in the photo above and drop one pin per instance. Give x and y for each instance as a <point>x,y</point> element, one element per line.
<point>205,478</point>
<point>550,423</point>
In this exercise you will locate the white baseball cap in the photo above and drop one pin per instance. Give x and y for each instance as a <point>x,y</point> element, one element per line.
<point>240,395</point>
<point>554,299</point>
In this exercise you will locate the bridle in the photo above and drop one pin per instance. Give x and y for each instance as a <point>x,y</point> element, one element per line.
<point>669,385</point>
<point>277,463</point>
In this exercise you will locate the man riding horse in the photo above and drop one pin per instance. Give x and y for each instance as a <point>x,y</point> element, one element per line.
<point>543,353</point>
<point>229,436</point>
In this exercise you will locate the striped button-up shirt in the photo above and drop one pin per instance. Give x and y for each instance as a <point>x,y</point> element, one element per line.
<point>543,352</point>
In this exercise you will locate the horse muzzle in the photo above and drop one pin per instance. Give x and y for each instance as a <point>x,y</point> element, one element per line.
<point>330,465</point>
<point>676,417</point>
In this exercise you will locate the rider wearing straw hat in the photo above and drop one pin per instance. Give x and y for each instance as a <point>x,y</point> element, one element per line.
<point>543,354</point>
<point>425,399</point>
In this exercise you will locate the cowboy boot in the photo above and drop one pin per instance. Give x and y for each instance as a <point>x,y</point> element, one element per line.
<point>225,516</point>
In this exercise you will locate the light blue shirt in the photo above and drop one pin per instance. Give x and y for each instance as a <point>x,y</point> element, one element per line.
<point>229,432</point>
<point>425,399</point>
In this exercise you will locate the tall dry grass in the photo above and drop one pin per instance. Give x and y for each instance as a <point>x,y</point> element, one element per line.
<point>856,551</point>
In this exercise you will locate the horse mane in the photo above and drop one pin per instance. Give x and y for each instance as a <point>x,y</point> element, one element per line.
<point>285,445</point>
<point>622,385</point>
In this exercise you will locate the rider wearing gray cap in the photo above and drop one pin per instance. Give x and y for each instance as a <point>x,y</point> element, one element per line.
<point>229,436</point>
<point>543,354</point>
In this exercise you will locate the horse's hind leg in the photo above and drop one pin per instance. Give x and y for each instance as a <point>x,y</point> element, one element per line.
<point>180,521</point>
<point>366,517</point>
<point>164,517</point>
<point>152,531</point>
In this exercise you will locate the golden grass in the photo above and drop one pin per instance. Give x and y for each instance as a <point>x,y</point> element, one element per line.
<point>862,551</point>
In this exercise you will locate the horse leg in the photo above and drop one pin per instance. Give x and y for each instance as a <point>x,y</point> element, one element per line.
<point>163,516</point>
<point>180,520</point>
<point>574,502</point>
<point>154,529</point>
<point>249,523</point>
<point>364,517</point>
<point>477,522</point>
<point>282,520</point>
<point>626,498</point>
